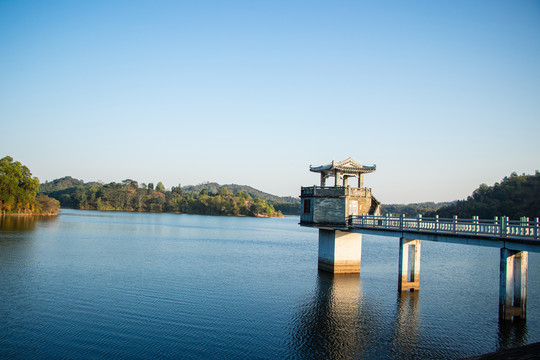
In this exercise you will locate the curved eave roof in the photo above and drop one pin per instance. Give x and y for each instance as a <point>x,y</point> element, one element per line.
<point>345,166</point>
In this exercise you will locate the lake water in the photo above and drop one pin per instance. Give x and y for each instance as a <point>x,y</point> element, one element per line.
<point>90,284</point>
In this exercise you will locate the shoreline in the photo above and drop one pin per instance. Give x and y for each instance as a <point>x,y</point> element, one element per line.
<point>174,212</point>
<point>29,214</point>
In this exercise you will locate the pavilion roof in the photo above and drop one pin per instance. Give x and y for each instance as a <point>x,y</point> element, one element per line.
<point>348,166</point>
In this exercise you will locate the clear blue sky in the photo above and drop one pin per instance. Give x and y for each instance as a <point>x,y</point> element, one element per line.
<point>441,95</point>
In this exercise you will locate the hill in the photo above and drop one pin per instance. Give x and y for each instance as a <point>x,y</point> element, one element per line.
<point>213,188</point>
<point>286,204</point>
<point>515,196</point>
<point>60,184</point>
<point>413,209</point>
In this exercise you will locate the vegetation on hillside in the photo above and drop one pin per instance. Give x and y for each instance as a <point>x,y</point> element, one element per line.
<point>129,195</point>
<point>412,209</point>
<point>286,204</point>
<point>18,191</point>
<point>515,196</point>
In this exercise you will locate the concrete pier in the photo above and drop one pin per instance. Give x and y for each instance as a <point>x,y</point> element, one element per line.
<point>409,264</point>
<point>340,252</point>
<point>513,284</point>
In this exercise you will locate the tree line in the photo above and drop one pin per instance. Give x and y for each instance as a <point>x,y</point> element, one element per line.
<point>412,209</point>
<point>18,191</point>
<point>286,204</point>
<point>515,196</point>
<point>129,195</point>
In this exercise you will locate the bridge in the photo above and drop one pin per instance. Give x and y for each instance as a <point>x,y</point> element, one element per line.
<point>343,213</point>
<point>520,235</point>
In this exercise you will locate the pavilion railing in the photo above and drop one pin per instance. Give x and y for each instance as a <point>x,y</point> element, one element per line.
<point>322,191</point>
<point>497,227</point>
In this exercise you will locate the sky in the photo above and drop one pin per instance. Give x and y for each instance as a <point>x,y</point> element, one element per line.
<point>441,95</point>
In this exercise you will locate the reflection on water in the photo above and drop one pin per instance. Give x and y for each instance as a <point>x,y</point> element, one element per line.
<point>327,326</point>
<point>407,321</point>
<point>340,322</point>
<point>22,223</point>
<point>512,333</point>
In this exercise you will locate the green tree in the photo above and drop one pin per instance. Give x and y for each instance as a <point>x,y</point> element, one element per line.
<point>17,186</point>
<point>160,187</point>
<point>46,205</point>
<point>177,189</point>
<point>130,183</point>
<point>224,191</point>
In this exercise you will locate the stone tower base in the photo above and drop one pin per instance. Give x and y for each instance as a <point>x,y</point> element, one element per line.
<point>340,251</point>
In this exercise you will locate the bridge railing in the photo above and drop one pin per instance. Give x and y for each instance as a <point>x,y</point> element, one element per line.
<point>497,227</point>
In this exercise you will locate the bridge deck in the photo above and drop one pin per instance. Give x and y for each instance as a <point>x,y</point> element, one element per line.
<point>523,235</point>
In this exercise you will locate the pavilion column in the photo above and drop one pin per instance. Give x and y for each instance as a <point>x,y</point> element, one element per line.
<point>360,181</point>
<point>409,264</point>
<point>337,178</point>
<point>340,251</point>
<point>323,179</point>
<point>513,284</point>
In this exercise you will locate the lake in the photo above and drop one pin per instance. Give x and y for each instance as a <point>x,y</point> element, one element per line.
<point>90,284</point>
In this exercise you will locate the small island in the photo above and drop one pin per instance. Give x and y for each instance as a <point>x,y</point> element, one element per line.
<point>18,190</point>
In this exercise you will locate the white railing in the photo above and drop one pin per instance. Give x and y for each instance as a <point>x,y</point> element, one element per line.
<point>498,227</point>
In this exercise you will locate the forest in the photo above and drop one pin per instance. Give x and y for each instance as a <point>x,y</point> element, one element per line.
<point>515,196</point>
<point>129,195</point>
<point>412,209</point>
<point>18,191</point>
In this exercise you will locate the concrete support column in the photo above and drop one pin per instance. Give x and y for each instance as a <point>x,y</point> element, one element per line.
<point>409,265</point>
<point>513,284</point>
<point>340,251</point>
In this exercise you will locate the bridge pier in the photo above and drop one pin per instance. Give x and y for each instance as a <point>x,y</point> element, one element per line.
<point>340,251</point>
<point>513,284</point>
<point>409,264</point>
